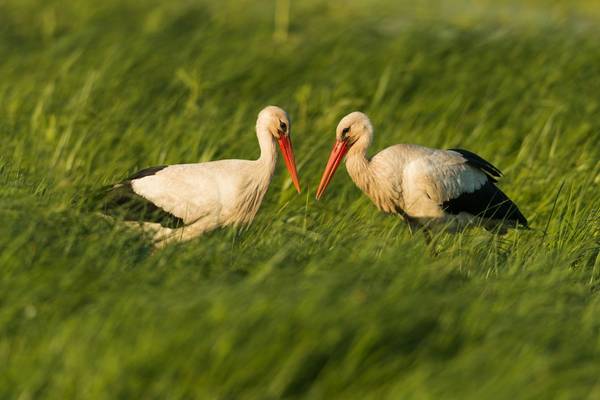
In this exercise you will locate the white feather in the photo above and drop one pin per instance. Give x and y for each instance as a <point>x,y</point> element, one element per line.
<point>213,194</point>
<point>409,179</point>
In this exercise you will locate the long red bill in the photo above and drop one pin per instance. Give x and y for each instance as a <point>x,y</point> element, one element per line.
<point>285,143</point>
<point>337,154</point>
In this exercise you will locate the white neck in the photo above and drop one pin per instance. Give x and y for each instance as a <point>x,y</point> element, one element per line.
<point>358,165</point>
<point>385,193</point>
<point>268,148</point>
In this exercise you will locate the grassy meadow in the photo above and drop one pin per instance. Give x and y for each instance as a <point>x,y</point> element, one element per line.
<point>318,300</point>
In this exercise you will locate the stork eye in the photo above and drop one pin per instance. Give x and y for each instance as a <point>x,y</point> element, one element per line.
<point>345,131</point>
<point>283,126</point>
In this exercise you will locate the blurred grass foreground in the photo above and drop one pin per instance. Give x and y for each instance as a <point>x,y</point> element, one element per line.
<point>322,300</point>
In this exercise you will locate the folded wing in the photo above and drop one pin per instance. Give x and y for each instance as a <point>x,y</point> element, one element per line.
<point>459,181</point>
<point>156,194</point>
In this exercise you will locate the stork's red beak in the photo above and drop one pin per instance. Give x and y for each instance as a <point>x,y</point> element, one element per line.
<point>285,143</point>
<point>337,154</point>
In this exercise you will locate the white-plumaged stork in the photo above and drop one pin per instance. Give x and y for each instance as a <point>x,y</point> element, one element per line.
<point>428,187</point>
<point>180,202</point>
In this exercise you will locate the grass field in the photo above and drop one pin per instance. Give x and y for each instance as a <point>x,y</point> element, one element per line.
<point>323,300</point>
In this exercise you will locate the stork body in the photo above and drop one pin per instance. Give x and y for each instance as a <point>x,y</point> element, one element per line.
<point>430,188</point>
<point>180,202</point>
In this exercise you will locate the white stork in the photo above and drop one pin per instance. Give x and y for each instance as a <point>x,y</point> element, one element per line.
<point>430,188</point>
<point>180,202</point>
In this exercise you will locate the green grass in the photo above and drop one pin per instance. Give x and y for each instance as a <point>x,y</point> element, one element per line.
<point>328,299</point>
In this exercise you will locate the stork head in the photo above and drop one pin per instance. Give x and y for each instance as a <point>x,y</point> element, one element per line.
<point>354,127</point>
<point>354,130</point>
<point>276,121</point>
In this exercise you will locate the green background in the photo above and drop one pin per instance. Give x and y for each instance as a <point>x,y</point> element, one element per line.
<point>328,299</point>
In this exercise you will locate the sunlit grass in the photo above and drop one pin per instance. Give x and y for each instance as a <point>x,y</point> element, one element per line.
<point>327,299</point>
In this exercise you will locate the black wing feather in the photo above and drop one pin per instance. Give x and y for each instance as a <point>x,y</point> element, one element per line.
<point>488,202</point>
<point>476,161</point>
<point>146,172</point>
<point>121,201</point>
